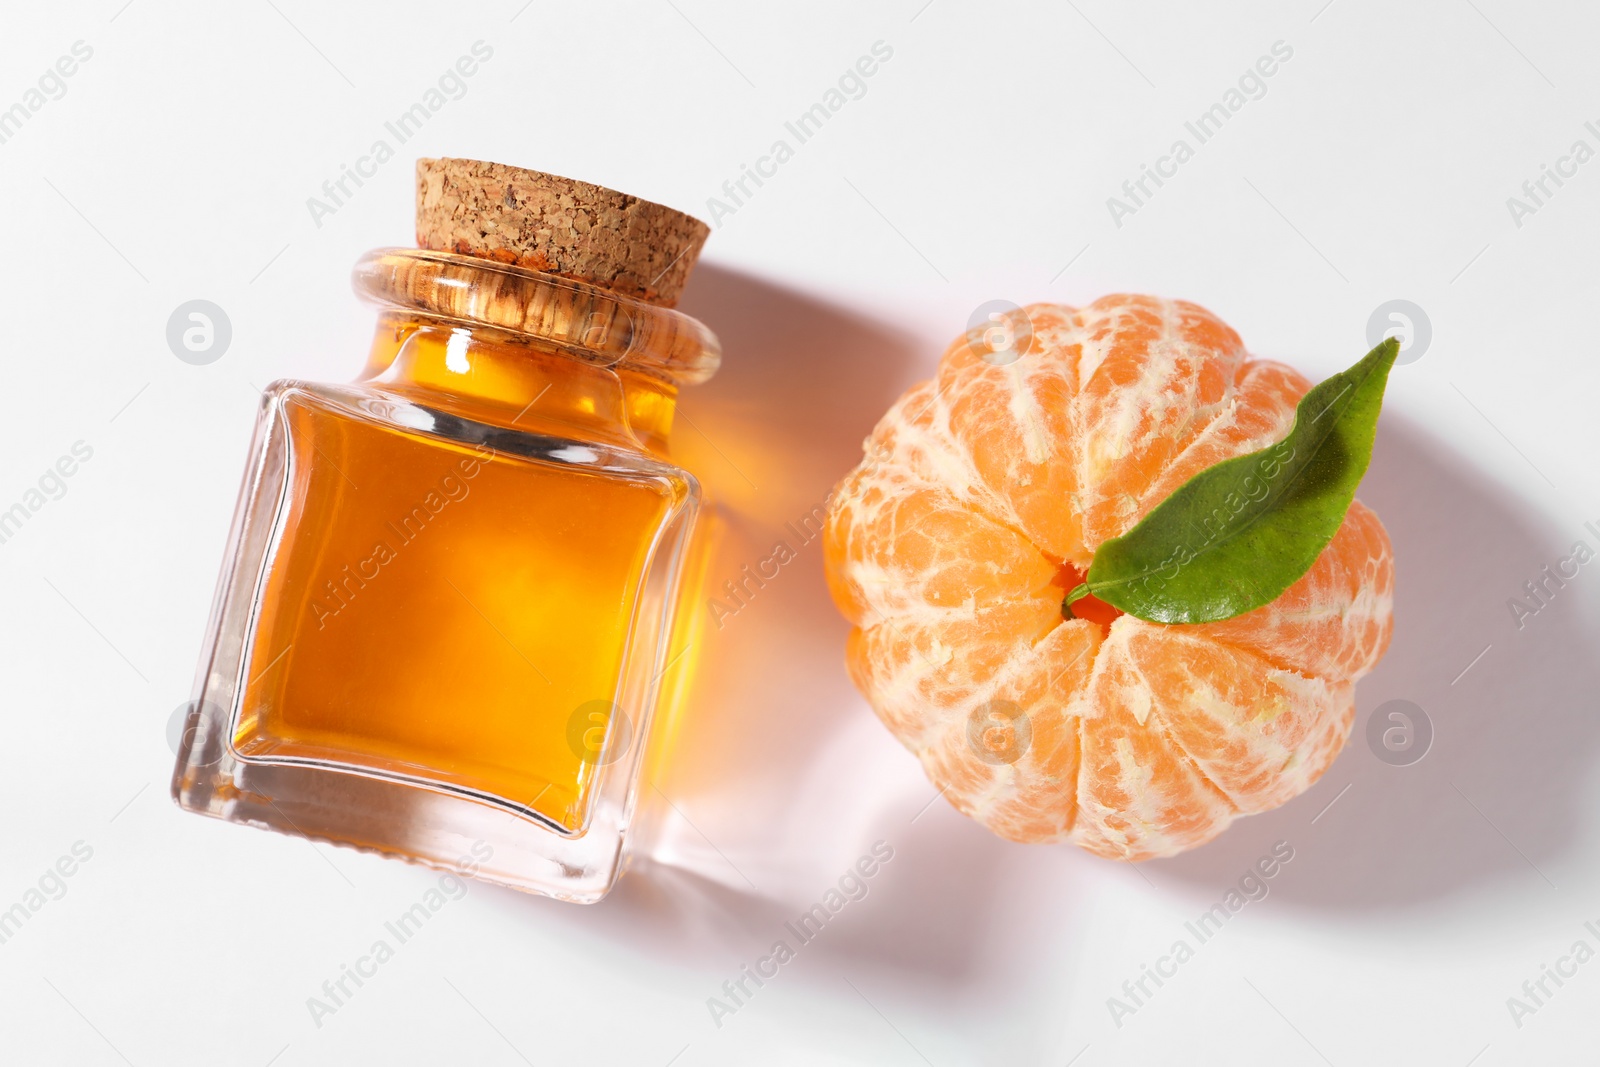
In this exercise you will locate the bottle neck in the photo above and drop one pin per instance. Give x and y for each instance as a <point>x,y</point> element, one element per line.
<point>483,374</point>
<point>527,350</point>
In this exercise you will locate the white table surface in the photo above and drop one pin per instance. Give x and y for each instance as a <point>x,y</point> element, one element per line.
<point>176,165</point>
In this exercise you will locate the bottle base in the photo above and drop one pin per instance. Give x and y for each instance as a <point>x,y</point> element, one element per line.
<point>394,819</point>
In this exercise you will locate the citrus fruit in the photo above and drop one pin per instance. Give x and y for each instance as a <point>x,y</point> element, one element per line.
<point>980,501</point>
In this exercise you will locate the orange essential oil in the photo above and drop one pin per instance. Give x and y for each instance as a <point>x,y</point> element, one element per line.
<point>450,604</point>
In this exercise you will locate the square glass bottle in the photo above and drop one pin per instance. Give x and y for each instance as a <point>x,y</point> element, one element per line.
<point>449,604</point>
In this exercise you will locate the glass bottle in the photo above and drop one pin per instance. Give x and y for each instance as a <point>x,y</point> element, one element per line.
<point>448,609</point>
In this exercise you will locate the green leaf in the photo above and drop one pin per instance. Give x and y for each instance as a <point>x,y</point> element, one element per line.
<point>1239,533</point>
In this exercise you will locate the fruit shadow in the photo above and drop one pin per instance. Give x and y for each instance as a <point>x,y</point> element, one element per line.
<point>779,778</point>
<point>1497,796</point>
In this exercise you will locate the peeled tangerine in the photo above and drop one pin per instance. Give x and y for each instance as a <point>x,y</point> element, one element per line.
<point>980,502</point>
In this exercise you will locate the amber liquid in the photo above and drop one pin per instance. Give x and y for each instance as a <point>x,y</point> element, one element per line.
<point>447,611</point>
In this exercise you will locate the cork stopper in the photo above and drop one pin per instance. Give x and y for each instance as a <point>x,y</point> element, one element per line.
<point>557,225</point>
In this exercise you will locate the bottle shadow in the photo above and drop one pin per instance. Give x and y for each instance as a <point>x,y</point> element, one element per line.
<point>1497,796</point>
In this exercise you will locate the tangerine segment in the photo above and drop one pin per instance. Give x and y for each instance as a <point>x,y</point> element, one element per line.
<point>994,726</point>
<point>918,534</point>
<point>949,660</point>
<point>1012,420</point>
<point>1152,376</point>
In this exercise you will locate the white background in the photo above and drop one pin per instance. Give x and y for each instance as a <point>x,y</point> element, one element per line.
<point>977,165</point>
